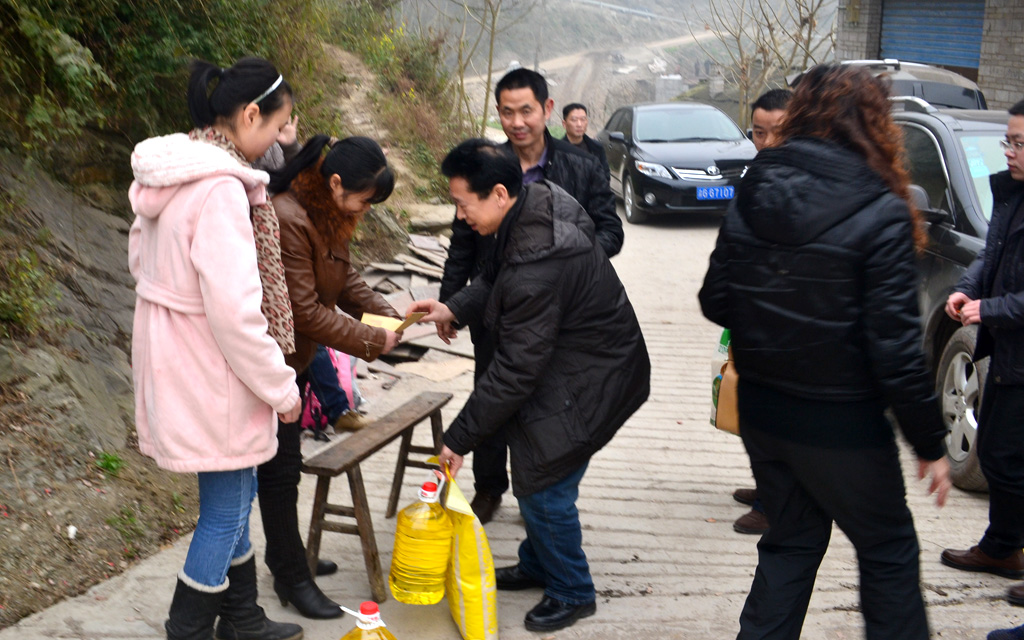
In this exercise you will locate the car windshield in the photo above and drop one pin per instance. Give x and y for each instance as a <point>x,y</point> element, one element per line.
<point>682,125</point>
<point>984,157</point>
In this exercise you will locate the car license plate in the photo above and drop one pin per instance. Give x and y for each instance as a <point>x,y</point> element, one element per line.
<point>716,193</point>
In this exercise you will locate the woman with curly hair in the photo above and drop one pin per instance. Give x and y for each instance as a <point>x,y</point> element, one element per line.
<point>814,273</point>
<point>320,200</point>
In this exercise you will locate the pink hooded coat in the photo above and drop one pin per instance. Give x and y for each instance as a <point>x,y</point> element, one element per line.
<point>209,379</point>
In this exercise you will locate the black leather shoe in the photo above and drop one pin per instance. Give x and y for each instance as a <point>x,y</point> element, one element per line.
<point>551,614</point>
<point>308,599</point>
<point>484,505</point>
<point>325,567</point>
<point>512,579</point>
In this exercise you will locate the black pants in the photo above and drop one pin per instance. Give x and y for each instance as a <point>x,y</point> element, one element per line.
<point>1001,454</point>
<point>490,457</point>
<point>804,489</point>
<point>278,481</point>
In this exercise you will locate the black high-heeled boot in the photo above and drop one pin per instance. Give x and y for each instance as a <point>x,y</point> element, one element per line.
<point>308,599</point>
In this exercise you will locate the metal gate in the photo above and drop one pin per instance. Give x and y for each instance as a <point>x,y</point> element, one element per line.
<point>939,32</point>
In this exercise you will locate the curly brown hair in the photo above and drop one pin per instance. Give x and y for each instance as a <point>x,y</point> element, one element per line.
<point>850,107</point>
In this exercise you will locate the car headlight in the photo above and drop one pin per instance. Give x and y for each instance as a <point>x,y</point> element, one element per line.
<point>651,169</point>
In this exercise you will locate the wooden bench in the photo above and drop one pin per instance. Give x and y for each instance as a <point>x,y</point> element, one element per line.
<point>345,455</point>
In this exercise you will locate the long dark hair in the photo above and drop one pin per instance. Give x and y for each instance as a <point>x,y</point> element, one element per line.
<point>244,82</point>
<point>359,162</point>
<point>850,107</point>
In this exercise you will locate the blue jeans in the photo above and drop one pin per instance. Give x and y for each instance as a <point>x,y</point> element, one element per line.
<point>323,379</point>
<point>222,533</point>
<point>553,549</point>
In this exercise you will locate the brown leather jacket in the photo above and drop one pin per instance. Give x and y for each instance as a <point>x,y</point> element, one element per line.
<point>319,278</point>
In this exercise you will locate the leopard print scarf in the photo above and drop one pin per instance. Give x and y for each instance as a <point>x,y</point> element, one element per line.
<point>276,306</point>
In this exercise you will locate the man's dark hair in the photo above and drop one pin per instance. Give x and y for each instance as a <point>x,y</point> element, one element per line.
<point>1017,109</point>
<point>484,164</point>
<point>774,100</point>
<point>523,78</point>
<point>569,108</point>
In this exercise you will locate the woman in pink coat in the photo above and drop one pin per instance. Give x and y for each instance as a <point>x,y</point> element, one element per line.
<point>211,328</point>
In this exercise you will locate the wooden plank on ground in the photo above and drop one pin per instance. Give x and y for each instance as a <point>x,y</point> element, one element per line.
<point>430,256</point>
<point>426,242</point>
<point>390,267</point>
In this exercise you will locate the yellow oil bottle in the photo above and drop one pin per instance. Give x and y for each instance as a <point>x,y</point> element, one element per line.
<point>423,541</point>
<point>369,626</point>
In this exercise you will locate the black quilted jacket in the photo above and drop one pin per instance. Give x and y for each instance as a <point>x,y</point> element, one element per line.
<point>814,272</point>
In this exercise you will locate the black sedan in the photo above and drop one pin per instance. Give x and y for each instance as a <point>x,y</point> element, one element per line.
<point>676,157</point>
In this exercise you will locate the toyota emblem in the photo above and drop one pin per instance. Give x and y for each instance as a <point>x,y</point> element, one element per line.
<point>712,170</point>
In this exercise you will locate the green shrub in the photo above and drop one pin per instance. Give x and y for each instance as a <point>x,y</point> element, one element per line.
<point>28,289</point>
<point>27,293</point>
<point>111,463</point>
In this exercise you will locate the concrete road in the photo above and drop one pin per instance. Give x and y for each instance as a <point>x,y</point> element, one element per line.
<point>656,508</point>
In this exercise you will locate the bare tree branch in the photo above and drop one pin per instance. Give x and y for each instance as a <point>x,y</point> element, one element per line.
<point>762,38</point>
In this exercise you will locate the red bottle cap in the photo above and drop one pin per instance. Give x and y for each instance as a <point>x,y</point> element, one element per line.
<point>429,486</point>
<point>369,608</point>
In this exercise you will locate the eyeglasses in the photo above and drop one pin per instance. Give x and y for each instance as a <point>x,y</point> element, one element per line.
<point>1016,146</point>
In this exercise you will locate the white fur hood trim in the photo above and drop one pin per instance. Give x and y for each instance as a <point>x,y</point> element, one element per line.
<point>175,159</point>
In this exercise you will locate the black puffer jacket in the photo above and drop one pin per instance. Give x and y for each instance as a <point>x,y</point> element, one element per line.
<point>569,167</point>
<point>814,272</point>
<point>570,363</point>
<point>1001,334</point>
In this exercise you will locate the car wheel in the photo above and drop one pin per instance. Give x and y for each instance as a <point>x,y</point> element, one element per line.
<point>959,384</point>
<point>633,215</point>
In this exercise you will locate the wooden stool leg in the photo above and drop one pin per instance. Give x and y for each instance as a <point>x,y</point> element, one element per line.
<point>323,486</point>
<point>396,484</point>
<point>369,543</point>
<point>437,430</point>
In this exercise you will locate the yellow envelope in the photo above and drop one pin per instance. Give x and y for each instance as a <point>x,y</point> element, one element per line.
<point>392,324</point>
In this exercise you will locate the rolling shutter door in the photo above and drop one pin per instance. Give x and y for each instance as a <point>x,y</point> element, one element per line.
<point>939,32</point>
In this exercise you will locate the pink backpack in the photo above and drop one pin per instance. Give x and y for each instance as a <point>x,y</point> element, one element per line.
<point>313,416</point>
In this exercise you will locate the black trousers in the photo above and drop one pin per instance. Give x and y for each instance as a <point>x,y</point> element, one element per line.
<point>805,489</point>
<point>1001,454</point>
<point>490,457</point>
<point>278,481</point>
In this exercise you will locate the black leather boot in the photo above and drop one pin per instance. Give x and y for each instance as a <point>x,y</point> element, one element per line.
<point>308,599</point>
<point>192,613</point>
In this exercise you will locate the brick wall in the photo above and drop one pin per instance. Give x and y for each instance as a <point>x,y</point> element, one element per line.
<point>1001,71</point>
<point>859,29</point>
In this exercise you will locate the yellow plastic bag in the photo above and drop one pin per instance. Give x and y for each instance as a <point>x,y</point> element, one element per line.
<point>469,584</point>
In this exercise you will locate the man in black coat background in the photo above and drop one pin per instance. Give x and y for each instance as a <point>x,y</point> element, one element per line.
<point>569,365</point>
<point>575,120</point>
<point>524,107</point>
<point>991,295</point>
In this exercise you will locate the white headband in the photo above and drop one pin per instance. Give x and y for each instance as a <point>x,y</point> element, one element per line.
<point>277,83</point>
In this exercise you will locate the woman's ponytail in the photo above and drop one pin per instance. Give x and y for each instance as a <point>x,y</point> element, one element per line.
<point>306,157</point>
<point>199,92</point>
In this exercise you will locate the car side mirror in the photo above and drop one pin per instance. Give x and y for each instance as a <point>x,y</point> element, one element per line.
<point>919,198</point>
<point>617,136</point>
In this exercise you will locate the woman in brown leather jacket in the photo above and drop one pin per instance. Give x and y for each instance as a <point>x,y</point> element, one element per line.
<point>320,201</point>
